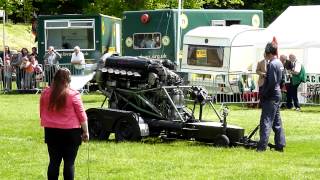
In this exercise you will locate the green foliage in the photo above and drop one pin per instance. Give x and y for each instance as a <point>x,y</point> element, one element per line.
<point>116,7</point>
<point>22,10</point>
<point>9,6</point>
<point>107,7</point>
<point>225,4</point>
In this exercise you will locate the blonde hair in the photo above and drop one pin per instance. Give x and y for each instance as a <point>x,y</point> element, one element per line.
<point>76,48</point>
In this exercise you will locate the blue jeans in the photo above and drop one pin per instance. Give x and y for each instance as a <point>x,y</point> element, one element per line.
<point>270,118</point>
<point>78,71</point>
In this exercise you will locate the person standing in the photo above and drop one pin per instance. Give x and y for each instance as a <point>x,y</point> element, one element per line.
<point>284,84</point>
<point>51,61</point>
<point>65,124</point>
<point>17,64</point>
<point>261,71</point>
<point>270,102</point>
<point>7,69</point>
<point>34,52</point>
<point>28,70</point>
<point>78,61</point>
<point>297,76</point>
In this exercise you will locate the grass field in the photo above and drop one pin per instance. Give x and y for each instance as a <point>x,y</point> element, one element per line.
<point>24,155</point>
<point>17,36</point>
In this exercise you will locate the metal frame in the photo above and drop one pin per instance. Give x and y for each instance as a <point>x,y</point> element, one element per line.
<point>69,26</point>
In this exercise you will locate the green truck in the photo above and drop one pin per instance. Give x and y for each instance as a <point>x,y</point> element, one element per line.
<point>94,34</point>
<point>153,33</point>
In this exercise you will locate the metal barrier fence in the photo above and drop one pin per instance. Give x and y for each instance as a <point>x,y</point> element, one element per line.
<point>35,79</point>
<point>224,88</point>
<point>16,78</point>
<point>243,88</point>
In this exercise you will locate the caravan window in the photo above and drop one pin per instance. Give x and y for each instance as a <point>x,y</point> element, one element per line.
<point>147,41</point>
<point>66,34</point>
<point>205,56</point>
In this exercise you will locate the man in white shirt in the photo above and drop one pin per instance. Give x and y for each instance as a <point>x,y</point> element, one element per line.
<point>294,83</point>
<point>78,61</point>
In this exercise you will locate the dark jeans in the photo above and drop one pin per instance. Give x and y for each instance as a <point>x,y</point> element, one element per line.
<point>19,77</point>
<point>270,117</point>
<point>292,94</point>
<point>50,70</point>
<point>77,70</point>
<point>62,144</point>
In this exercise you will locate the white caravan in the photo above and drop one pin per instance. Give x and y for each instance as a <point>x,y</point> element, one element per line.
<point>219,54</point>
<point>235,49</point>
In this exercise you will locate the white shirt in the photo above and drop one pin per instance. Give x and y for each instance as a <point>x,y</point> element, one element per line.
<point>296,67</point>
<point>78,60</point>
<point>51,57</point>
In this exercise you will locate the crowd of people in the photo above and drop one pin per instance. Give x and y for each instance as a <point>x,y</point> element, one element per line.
<point>293,75</point>
<point>23,67</point>
<point>23,64</point>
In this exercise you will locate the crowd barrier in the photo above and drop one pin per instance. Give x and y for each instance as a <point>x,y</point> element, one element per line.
<point>224,88</point>
<point>243,88</point>
<point>22,80</point>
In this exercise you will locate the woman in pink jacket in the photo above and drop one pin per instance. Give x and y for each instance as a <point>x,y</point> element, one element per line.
<point>65,124</point>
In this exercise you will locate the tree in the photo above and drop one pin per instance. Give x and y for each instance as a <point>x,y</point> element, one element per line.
<point>224,4</point>
<point>116,7</point>
<point>8,6</point>
<point>18,10</point>
<point>53,7</point>
<point>22,10</point>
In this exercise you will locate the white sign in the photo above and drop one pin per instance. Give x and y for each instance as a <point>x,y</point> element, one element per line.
<point>255,20</point>
<point>1,13</point>
<point>184,21</point>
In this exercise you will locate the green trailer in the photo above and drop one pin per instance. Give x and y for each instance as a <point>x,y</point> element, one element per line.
<point>153,33</point>
<point>92,33</point>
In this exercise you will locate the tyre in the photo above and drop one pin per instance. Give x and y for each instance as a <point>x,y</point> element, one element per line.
<point>222,140</point>
<point>127,130</point>
<point>96,127</point>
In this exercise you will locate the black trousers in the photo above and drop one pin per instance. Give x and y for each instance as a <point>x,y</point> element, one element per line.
<point>62,144</point>
<point>292,94</point>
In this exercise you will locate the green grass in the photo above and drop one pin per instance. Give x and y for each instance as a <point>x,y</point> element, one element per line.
<point>18,36</point>
<point>24,156</point>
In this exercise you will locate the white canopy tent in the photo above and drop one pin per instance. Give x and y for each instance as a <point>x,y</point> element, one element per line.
<point>297,31</point>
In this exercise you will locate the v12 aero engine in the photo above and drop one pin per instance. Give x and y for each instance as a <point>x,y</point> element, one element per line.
<point>145,97</point>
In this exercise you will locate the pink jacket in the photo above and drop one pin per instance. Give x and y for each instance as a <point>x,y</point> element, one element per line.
<point>70,117</point>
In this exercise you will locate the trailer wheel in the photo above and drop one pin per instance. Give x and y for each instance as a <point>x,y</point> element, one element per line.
<point>96,127</point>
<point>127,130</point>
<point>222,140</point>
